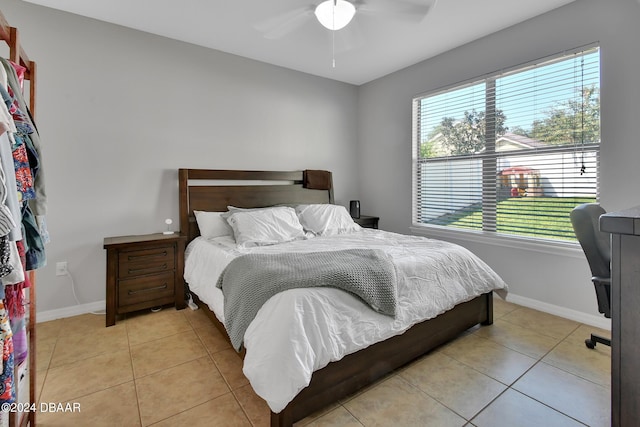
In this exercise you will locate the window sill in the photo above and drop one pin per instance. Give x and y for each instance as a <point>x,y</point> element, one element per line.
<point>548,247</point>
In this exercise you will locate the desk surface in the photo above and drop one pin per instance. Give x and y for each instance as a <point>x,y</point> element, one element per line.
<point>626,221</point>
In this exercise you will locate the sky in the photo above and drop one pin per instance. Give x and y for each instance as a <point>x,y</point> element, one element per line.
<point>523,96</point>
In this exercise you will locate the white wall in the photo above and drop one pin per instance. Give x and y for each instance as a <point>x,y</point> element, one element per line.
<point>119,111</point>
<point>557,277</point>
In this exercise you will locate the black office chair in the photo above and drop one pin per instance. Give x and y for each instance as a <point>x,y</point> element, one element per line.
<point>597,247</point>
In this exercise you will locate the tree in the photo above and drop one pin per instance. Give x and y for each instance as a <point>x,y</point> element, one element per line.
<point>572,121</point>
<point>468,135</point>
<point>427,150</point>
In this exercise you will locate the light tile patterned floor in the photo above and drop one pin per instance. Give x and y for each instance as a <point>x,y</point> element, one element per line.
<point>173,368</point>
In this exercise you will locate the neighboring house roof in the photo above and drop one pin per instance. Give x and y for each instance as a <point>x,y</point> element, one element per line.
<point>507,142</point>
<point>517,140</point>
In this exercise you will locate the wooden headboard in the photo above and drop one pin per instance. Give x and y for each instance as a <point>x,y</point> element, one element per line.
<point>212,190</point>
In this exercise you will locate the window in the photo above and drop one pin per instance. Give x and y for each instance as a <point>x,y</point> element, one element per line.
<point>511,153</point>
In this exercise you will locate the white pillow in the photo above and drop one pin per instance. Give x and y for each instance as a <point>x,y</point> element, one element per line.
<point>326,219</point>
<point>233,209</point>
<point>212,224</point>
<point>265,226</point>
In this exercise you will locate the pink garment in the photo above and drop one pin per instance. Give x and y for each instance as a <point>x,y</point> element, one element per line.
<point>20,70</point>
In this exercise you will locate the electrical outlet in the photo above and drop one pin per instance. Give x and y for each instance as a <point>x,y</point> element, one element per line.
<point>61,268</point>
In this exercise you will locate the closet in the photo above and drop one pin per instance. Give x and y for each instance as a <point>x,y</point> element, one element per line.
<point>24,373</point>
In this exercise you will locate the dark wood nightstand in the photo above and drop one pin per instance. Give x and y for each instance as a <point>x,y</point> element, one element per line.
<point>144,272</point>
<point>367,221</point>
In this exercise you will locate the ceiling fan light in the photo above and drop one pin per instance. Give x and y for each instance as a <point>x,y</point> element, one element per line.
<point>335,14</point>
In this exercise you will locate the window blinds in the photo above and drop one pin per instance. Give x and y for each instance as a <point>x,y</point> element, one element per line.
<point>511,153</point>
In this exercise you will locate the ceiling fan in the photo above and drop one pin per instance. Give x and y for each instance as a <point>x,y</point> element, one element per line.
<point>335,15</point>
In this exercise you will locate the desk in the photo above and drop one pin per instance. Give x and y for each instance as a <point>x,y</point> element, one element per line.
<point>624,227</point>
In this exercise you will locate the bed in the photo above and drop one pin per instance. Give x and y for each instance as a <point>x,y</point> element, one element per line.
<point>354,367</point>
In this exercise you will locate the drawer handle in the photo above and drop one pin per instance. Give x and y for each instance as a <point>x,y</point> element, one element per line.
<point>135,257</point>
<point>141,270</point>
<point>157,288</point>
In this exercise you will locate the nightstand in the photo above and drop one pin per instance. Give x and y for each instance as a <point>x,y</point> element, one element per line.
<point>367,221</point>
<point>144,272</point>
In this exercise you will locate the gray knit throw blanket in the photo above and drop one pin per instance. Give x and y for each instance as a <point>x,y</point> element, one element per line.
<point>250,280</point>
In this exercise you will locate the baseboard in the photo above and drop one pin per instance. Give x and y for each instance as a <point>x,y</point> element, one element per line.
<point>578,316</point>
<point>75,310</point>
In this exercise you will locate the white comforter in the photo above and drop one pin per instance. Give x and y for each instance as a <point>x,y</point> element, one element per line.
<point>300,331</point>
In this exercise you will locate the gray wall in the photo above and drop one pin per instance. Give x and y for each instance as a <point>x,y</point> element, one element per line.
<point>555,277</point>
<point>119,111</point>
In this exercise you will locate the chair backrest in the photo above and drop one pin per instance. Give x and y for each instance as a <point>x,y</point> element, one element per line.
<point>595,244</point>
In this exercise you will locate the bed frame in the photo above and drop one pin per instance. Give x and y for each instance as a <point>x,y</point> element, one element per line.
<point>214,190</point>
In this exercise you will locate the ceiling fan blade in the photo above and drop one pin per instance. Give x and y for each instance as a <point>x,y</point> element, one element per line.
<point>414,10</point>
<point>280,26</point>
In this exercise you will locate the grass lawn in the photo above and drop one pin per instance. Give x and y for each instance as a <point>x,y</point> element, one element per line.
<point>526,216</point>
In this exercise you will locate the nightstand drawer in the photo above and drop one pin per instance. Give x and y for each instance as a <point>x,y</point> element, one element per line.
<point>145,261</point>
<point>147,288</point>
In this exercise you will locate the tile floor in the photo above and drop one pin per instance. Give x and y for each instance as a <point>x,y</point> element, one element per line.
<point>173,368</point>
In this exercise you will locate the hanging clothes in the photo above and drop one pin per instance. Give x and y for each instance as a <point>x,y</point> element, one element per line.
<point>39,205</point>
<point>28,171</point>
<point>17,128</point>
<point>14,303</point>
<point>7,129</point>
<point>23,171</point>
<point>11,271</point>
<point>22,193</point>
<point>7,126</point>
<point>7,390</point>
<point>33,243</point>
